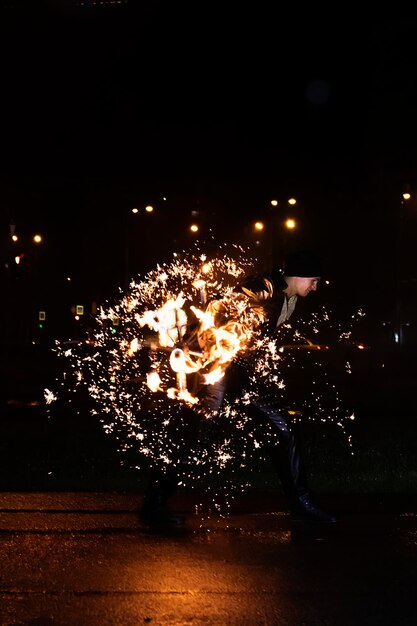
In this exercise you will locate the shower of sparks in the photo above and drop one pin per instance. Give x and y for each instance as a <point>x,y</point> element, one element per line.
<point>179,327</point>
<point>49,396</point>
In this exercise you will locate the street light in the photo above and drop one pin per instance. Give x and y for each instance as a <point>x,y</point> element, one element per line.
<point>26,283</point>
<point>21,248</point>
<point>282,222</point>
<point>133,211</point>
<point>398,325</point>
<point>290,223</point>
<point>146,215</point>
<point>260,230</point>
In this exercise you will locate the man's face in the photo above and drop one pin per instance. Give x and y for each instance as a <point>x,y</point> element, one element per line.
<point>304,285</point>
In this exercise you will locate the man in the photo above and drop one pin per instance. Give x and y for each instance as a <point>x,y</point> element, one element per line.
<point>275,296</point>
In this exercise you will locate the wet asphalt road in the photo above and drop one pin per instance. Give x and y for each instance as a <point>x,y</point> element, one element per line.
<point>86,559</point>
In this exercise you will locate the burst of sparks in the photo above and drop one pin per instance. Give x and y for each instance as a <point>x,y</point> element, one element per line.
<point>143,381</point>
<point>49,396</point>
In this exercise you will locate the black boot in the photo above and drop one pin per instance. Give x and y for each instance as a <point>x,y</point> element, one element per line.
<point>285,455</point>
<point>304,510</point>
<point>155,511</point>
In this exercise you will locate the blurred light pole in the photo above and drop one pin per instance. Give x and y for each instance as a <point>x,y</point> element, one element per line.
<point>27,284</point>
<point>127,227</point>
<point>140,223</point>
<point>398,322</point>
<point>259,236</point>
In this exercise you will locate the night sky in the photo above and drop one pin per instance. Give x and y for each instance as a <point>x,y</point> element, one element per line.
<point>218,109</point>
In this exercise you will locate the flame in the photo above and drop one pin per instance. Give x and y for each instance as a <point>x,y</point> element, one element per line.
<point>134,347</point>
<point>180,361</point>
<point>223,330</point>
<point>153,381</point>
<point>200,284</point>
<point>170,321</point>
<point>208,336</point>
<point>215,375</point>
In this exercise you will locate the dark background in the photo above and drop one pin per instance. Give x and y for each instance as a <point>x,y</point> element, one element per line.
<point>218,109</point>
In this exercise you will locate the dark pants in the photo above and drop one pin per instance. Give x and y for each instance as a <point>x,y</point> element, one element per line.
<point>281,443</point>
<point>282,447</point>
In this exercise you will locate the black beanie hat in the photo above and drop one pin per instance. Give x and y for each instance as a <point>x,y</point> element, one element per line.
<point>302,263</point>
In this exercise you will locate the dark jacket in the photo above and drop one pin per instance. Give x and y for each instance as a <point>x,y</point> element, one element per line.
<point>265,292</point>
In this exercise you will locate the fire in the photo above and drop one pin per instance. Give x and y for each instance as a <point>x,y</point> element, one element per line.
<point>170,321</point>
<point>180,327</point>
<point>223,330</point>
<point>153,381</point>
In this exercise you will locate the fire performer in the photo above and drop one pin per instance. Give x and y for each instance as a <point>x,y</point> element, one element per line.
<point>274,296</point>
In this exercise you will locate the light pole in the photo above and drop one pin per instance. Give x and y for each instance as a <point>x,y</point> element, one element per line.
<point>127,226</point>
<point>26,282</point>
<point>398,326</point>
<point>142,222</point>
<point>258,231</point>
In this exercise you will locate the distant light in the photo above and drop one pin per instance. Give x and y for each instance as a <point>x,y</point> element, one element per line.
<point>135,210</point>
<point>149,208</point>
<point>89,3</point>
<point>18,258</point>
<point>15,238</point>
<point>274,202</point>
<point>292,201</point>
<point>290,224</point>
<point>37,238</point>
<point>205,268</point>
<point>406,196</point>
<point>259,226</point>
<point>69,278</point>
<point>194,228</point>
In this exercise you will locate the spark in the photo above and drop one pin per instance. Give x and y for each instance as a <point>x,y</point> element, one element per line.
<point>180,327</point>
<point>49,396</point>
